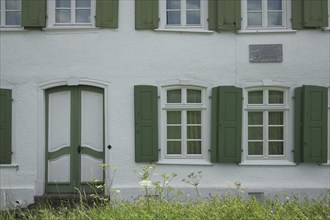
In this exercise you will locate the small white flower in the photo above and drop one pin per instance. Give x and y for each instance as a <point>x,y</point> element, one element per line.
<point>117,191</point>
<point>166,182</point>
<point>145,183</point>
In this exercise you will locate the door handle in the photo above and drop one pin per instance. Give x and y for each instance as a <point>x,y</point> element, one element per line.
<point>79,149</point>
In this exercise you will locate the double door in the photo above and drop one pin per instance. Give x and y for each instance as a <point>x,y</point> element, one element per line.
<point>74,138</point>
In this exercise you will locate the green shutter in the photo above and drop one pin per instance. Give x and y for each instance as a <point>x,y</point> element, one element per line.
<point>297,14</point>
<point>229,17</point>
<point>315,127</point>
<point>146,14</point>
<point>106,14</point>
<point>224,15</point>
<point>315,13</point>
<point>226,135</point>
<point>146,123</point>
<point>298,125</point>
<point>33,13</point>
<point>309,13</point>
<point>5,126</point>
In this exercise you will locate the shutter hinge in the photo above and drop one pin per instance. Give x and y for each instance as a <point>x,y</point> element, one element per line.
<point>242,150</point>
<point>46,16</point>
<point>209,150</point>
<point>159,149</point>
<point>12,100</point>
<point>158,97</point>
<point>293,151</point>
<point>210,97</point>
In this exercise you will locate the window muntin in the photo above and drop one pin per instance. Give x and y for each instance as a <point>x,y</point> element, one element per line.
<point>184,121</point>
<point>10,13</point>
<point>265,13</point>
<point>266,123</point>
<point>71,12</point>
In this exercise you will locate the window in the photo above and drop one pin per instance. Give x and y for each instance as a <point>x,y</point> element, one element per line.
<point>71,12</point>
<point>271,14</point>
<point>182,14</point>
<point>10,12</point>
<point>266,117</point>
<point>184,119</point>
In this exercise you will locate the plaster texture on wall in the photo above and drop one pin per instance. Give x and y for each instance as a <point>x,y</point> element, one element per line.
<point>124,58</point>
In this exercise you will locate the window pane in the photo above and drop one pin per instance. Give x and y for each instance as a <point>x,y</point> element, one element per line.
<point>274,5</point>
<point>255,97</point>
<point>63,16</point>
<point>275,148</point>
<point>83,16</point>
<point>63,3</point>
<point>275,118</point>
<point>173,132</point>
<point>193,17</point>
<point>275,133</point>
<point>173,4</point>
<point>193,4</point>
<point>275,97</point>
<point>274,18</point>
<point>194,117</point>
<point>255,118</point>
<point>254,19</point>
<point>173,17</point>
<point>194,96</point>
<point>253,5</point>
<point>255,148</point>
<point>13,18</point>
<point>174,96</point>
<point>194,132</point>
<point>173,117</point>
<point>255,133</point>
<point>13,4</point>
<point>173,147</point>
<point>83,3</point>
<point>194,147</point>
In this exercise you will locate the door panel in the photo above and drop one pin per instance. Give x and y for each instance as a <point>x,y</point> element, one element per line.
<point>90,168</point>
<point>54,165</point>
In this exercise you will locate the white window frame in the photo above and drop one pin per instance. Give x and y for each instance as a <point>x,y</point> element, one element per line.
<point>3,15</point>
<point>51,16</point>
<point>266,108</point>
<point>286,17</point>
<point>194,159</point>
<point>183,26</point>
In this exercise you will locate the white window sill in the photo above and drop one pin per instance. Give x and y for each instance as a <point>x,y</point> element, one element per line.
<point>326,29</point>
<point>70,29</point>
<point>202,31</point>
<point>197,162</point>
<point>260,31</point>
<point>267,163</point>
<point>12,29</point>
<point>15,166</point>
<point>326,164</point>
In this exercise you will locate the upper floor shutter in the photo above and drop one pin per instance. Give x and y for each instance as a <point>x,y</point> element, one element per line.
<point>146,14</point>
<point>224,15</point>
<point>309,13</point>
<point>106,13</point>
<point>5,126</point>
<point>34,13</point>
<point>146,123</point>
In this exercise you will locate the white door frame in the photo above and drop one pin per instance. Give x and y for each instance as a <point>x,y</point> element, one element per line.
<point>71,81</point>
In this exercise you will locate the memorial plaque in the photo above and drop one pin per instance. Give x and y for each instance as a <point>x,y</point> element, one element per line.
<point>266,53</point>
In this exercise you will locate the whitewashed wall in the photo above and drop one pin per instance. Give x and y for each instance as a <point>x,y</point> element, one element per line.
<point>124,58</point>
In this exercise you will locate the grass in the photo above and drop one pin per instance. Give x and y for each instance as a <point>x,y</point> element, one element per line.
<point>211,208</point>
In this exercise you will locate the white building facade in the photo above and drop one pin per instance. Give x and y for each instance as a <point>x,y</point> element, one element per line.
<point>236,89</point>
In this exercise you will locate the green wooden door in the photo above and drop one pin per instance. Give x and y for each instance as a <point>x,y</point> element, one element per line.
<point>74,138</point>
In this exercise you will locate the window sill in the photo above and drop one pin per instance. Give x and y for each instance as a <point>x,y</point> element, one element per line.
<point>202,31</point>
<point>266,31</point>
<point>12,29</point>
<point>194,162</point>
<point>15,166</point>
<point>326,164</point>
<point>326,29</point>
<point>70,30</point>
<point>267,163</point>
